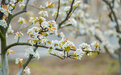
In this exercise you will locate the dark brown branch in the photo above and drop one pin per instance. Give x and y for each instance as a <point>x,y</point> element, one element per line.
<point>15,4</point>
<point>27,44</point>
<point>114,15</point>
<point>24,10</point>
<point>68,14</point>
<point>58,10</point>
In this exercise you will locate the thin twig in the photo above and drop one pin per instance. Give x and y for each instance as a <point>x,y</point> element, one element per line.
<point>56,56</point>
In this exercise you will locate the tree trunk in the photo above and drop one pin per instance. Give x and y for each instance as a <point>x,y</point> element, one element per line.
<point>120,55</point>
<point>120,61</point>
<point>4,57</point>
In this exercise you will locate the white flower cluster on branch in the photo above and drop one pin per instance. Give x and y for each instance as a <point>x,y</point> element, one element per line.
<point>41,27</point>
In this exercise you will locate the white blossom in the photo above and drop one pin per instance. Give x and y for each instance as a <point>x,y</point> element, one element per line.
<point>43,13</point>
<point>3,23</point>
<point>27,71</point>
<point>30,51</point>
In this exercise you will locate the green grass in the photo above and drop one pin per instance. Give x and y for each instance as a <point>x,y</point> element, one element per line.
<point>112,67</point>
<point>34,65</point>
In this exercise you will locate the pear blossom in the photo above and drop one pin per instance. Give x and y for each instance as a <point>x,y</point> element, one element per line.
<point>72,21</point>
<point>10,51</point>
<point>78,54</point>
<point>62,35</point>
<point>68,45</point>
<point>67,8</point>
<point>50,4</point>
<point>3,23</point>
<point>27,71</point>
<point>43,13</point>
<point>41,7</point>
<point>85,47</point>
<point>21,3</point>
<point>4,9</point>
<point>22,21</point>
<point>30,51</point>
<point>36,20</point>
<point>95,44</point>
<point>45,24</point>
<point>77,3</point>
<point>61,54</point>
<point>18,35</point>
<point>18,60</point>
<point>54,13</point>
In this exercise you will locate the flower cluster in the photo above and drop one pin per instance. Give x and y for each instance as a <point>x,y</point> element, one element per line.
<point>66,45</point>
<point>27,71</point>
<point>47,5</point>
<point>4,9</point>
<point>43,13</point>
<point>87,49</point>
<point>3,23</point>
<point>18,35</point>
<point>20,61</point>
<point>78,54</point>
<point>41,29</point>
<point>11,4</point>
<point>10,51</point>
<point>10,30</point>
<point>50,4</point>
<point>22,21</point>
<point>21,3</point>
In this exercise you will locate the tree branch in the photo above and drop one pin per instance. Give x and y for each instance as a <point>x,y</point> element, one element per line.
<point>114,15</point>
<point>24,10</point>
<point>56,56</point>
<point>27,44</point>
<point>106,49</point>
<point>1,35</point>
<point>58,10</point>
<point>68,15</point>
<point>26,63</point>
<point>15,4</point>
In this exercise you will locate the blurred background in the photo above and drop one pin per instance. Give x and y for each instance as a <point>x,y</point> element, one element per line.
<point>101,64</point>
